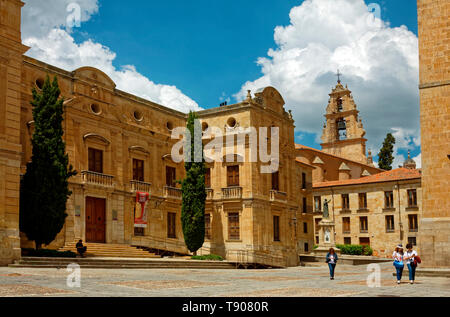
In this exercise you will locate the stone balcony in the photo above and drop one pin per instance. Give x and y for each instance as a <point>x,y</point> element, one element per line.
<point>232,193</point>
<point>276,195</point>
<point>93,178</point>
<point>209,194</point>
<point>306,187</point>
<point>172,192</point>
<point>138,186</point>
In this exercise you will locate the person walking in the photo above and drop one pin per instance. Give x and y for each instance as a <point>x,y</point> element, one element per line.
<point>410,256</point>
<point>398,256</point>
<point>332,259</point>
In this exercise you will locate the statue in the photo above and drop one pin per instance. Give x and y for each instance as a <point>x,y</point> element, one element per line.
<point>326,213</point>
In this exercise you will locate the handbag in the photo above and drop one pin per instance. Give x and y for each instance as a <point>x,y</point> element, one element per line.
<point>399,264</point>
<point>417,260</point>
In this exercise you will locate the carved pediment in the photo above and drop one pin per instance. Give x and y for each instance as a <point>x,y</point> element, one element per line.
<point>269,97</point>
<point>96,137</point>
<point>94,75</point>
<point>139,149</point>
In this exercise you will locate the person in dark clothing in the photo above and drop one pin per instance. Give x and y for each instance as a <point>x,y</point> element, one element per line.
<point>81,248</point>
<point>332,259</point>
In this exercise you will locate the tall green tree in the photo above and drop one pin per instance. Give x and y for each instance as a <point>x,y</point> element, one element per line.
<point>385,157</point>
<point>193,189</point>
<point>44,187</point>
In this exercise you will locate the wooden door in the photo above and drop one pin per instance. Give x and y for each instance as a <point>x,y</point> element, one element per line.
<point>95,220</point>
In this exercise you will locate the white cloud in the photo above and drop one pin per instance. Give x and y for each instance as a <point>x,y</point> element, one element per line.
<point>53,44</point>
<point>418,160</point>
<point>39,17</point>
<point>380,65</point>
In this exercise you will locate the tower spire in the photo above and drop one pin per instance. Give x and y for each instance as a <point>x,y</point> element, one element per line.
<point>339,74</point>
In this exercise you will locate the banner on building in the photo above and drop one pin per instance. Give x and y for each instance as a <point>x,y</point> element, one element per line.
<point>140,210</point>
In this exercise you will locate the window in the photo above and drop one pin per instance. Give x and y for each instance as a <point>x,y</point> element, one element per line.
<point>346,225</point>
<point>390,226</point>
<point>233,175</point>
<point>233,226</point>
<point>208,178</point>
<point>317,221</point>
<point>276,181</point>
<point>362,201</point>
<point>95,161</point>
<point>171,226</point>
<point>306,247</point>
<point>138,232</point>
<point>276,228</point>
<point>171,176</point>
<point>389,199</point>
<point>345,202</point>
<point>347,240</point>
<point>412,240</point>
<point>305,227</point>
<point>305,206</point>
<point>303,181</point>
<point>364,241</point>
<point>412,198</point>
<point>413,225</point>
<point>317,204</point>
<point>339,105</point>
<point>363,224</point>
<point>138,170</point>
<point>208,226</point>
<point>317,239</point>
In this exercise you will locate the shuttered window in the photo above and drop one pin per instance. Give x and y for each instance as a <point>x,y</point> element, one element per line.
<point>95,160</point>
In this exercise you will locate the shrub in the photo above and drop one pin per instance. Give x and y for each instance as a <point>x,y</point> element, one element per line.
<point>44,253</point>
<point>210,257</point>
<point>351,249</point>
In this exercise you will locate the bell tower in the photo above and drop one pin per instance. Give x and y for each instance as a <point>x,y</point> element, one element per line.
<point>343,133</point>
<point>11,52</point>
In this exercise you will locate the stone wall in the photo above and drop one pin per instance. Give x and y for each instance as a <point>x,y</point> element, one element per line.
<point>434,36</point>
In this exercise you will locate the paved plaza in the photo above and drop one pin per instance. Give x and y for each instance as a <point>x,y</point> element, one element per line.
<point>351,281</point>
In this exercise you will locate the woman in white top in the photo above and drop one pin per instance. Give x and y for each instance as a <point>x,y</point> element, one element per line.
<point>409,258</point>
<point>398,257</point>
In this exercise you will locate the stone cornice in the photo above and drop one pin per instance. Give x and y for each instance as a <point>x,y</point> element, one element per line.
<point>434,84</point>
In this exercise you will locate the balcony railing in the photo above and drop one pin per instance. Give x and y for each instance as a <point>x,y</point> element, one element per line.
<point>232,193</point>
<point>276,195</point>
<point>172,192</point>
<point>307,186</point>
<point>209,194</point>
<point>413,230</point>
<point>97,179</point>
<point>138,186</point>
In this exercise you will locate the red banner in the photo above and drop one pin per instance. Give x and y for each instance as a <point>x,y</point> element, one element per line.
<point>140,213</point>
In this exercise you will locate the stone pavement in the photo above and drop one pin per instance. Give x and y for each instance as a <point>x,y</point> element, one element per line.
<point>292,282</point>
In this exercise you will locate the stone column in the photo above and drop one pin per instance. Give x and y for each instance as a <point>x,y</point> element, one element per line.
<point>11,51</point>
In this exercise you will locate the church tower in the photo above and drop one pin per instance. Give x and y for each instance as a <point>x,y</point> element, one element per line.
<point>11,60</point>
<point>343,133</point>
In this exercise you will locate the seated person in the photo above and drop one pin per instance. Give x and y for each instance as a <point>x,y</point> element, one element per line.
<point>80,248</point>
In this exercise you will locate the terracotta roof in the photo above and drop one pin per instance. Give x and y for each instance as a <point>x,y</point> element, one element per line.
<point>389,176</point>
<point>304,147</point>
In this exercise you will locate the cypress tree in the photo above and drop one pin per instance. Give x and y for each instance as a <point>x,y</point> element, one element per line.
<point>385,157</point>
<point>44,187</point>
<point>194,192</point>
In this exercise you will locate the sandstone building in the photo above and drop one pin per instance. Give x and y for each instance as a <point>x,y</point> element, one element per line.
<point>434,51</point>
<point>121,144</point>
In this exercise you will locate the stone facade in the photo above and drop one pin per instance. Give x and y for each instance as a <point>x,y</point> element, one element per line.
<point>388,224</point>
<point>434,37</point>
<point>343,133</point>
<point>11,51</point>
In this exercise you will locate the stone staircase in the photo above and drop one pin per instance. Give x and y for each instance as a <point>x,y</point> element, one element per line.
<point>120,263</point>
<point>111,251</point>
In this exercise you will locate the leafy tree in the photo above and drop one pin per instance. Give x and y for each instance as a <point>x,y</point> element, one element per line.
<point>194,191</point>
<point>44,187</point>
<point>385,157</point>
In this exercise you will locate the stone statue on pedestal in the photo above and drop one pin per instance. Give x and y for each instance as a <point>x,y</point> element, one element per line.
<point>326,212</point>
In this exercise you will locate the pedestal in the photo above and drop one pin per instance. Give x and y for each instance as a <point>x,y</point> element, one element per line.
<point>326,238</point>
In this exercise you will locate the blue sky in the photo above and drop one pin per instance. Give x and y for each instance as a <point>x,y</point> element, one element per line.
<point>215,50</point>
<point>205,48</point>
